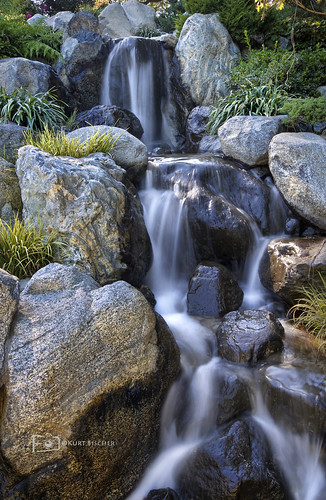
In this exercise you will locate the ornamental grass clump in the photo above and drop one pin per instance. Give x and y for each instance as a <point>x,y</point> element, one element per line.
<point>24,248</point>
<point>309,312</point>
<point>58,144</point>
<point>264,100</point>
<point>32,111</point>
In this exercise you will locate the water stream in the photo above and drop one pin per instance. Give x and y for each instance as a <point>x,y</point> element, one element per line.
<point>190,412</point>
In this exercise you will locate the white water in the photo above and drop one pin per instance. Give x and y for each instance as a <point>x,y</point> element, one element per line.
<point>189,414</point>
<point>131,82</point>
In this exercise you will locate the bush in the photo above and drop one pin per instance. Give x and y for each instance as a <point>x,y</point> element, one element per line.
<point>309,110</point>
<point>58,144</point>
<point>20,39</point>
<point>300,73</point>
<point>148,32</point>
<point>264,100</point>
<point>166,18</point>
<point>32,111</point>
<point>310,310</point>
<point>24,249</point>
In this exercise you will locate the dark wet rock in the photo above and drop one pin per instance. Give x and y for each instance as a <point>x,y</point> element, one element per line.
<point>220,231</point>
<point>162,494</point>
<point>233,397</point>
<point>292,226</point>
<point>249,336</point>
<point>288,264</point>
<point>210,144</point>
<point>148,294</point>
<point>213,291</point>
<point>297,399</point>
<point>236,463</point>
<point>196,127</point>
<point>110,115</point>
<point>219,177</point>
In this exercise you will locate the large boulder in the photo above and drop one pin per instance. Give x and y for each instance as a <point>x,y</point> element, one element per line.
<point>249,336</point>
<point>232,396</point>
<point>112,116</point>
<point>246,138</point>
<point>128,151</point>
<point>291,263</point>
<point>35,76</point>
<point>10,199</point>
<point>59,21</point>
<point>93,211</point>
<point>84,54</point>
<point>12,137</point>
<point>113,22</point>
<point>88,371</point>
<point>297,163</point>
<point>213,291</point>
<point>196,127</point>
<point>206,54</point>
<point>210,144</point>
<point>140,15</point>
<point>9,295</point>
<point>235,463</point>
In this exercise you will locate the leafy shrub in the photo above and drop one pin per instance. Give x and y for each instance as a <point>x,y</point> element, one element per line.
<point>310,310</point>
<point>24,249</point>
<point>179,22</point>
<point>166,18</point>
<point>300,73</point>
<point>58,144</point>
<point>264,100</point>
<point>32,111</point>
<point>148,32</point>
<point>20,39</point>
<point>309,110</point>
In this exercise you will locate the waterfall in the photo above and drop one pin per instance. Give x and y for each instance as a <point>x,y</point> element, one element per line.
<point>190,412</point>
<point>136,78</point>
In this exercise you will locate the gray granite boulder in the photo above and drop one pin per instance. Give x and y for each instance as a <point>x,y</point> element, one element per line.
<point>88,371</point>
<point>12,137</point>
<point>97,215</point>
<point>140,15</point>
<point>9,296</point>
<point>113,22</point>
<point>246,138</point>
<point>206,54</point>
<point>297,162</point>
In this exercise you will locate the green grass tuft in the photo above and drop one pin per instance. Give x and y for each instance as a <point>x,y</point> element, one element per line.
<point>309,312</point>
<point>58,144</point>
<point>24,249</point>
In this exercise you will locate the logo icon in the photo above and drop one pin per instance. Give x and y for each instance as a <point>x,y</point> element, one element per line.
<point>44,443</point>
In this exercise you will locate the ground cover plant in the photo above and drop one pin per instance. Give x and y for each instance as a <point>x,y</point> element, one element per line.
<point>58,144</point>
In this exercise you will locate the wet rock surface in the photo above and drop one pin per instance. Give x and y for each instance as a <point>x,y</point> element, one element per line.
<point>85,364</point>
<point>162,494</point>
<point>233,397</point>
<point>112,116</point>
<point>235,463</point>
<point>196,127</point>
<point>213,291</point>
<point>249,336</point>
<point>288,264</point>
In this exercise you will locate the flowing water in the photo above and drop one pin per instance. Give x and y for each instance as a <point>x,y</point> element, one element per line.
<point>136,78</point>
<point>190,412</point>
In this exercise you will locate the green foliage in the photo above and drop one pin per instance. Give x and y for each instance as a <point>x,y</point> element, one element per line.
<point>58,144</point>
<point>148,32</point>
<point>264,100</point>
<point>55,6</point>
<point>300,73</point>
<point>310,310</point>
<point>166,18</point>
<point>32,111</point>
<point>17,7</point>
<point>309,110</point>
<point>24,249</point>
<point>179,22</point>
<point>20,39</point>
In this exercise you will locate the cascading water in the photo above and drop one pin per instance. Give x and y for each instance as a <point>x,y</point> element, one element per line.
<point>190,412</point>
<point>136,78</point>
